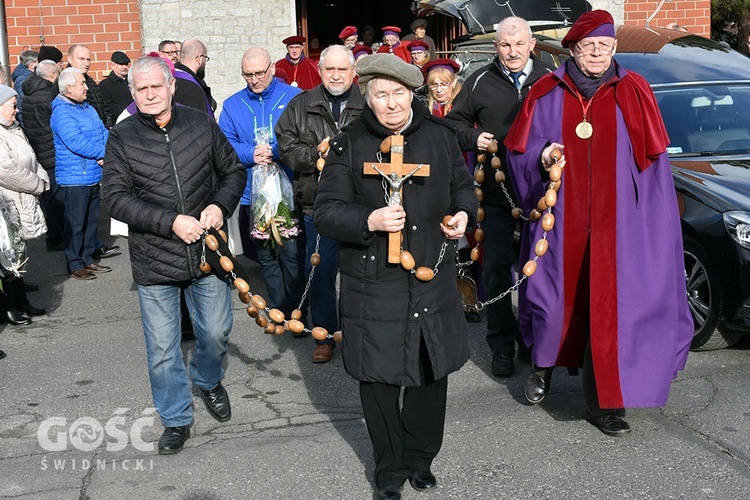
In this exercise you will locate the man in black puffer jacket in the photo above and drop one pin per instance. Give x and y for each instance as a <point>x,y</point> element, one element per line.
<point>171,174</point>
<point>37,90</point>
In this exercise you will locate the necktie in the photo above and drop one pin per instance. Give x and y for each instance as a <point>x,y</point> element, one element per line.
<point>517,79</point>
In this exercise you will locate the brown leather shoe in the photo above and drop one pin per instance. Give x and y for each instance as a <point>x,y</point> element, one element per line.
<point>82,274</point>
<point>322,354</point>
<point>96,268</point>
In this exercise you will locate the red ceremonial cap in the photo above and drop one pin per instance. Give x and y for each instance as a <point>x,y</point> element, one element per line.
<point>361,50</point>
<point>448,64</point>
<point>593,23</point>
<point>417,45</point>
<point>347,32</point>
<point>294,40</point>
<point>166,60</point>
<point>391,30</point>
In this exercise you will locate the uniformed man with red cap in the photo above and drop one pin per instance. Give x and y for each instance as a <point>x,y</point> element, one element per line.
<point>300,71</point>
<point>348,37</point>
<point>392,43</point>
<point>609,295</point>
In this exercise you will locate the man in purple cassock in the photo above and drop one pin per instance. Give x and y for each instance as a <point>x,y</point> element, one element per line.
<point>609,293</point>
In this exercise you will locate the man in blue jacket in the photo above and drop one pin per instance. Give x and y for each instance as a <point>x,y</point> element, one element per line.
<point>254,108</point>
<point>80,137</point>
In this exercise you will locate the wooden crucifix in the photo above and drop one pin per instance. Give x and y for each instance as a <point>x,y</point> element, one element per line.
<point>395,174</point>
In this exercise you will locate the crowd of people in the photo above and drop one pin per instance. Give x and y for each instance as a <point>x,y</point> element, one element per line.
<point>338,170</point>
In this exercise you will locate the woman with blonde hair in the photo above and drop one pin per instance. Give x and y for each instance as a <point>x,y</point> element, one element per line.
<point>442,82</point>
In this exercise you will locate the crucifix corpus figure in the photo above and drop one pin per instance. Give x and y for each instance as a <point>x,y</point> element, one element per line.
<point>393,173</point>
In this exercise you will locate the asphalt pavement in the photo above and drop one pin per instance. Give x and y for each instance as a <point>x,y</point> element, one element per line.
<point>77,421</point>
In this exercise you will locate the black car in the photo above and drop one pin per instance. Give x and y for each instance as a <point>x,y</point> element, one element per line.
<point>703,91</point>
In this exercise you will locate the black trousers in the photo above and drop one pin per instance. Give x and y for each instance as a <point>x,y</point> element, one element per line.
<point>405,439</point>
<point>499,257</point>
<point>588,380</point>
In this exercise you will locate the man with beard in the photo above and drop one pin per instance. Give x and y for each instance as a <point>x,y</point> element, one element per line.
<point>191,89</point>
<point>310,118</point>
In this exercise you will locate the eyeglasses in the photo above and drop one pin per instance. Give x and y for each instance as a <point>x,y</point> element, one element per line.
<point>204,55</point>
<point>173,53</point>
<point>439,86</point>
<point>257,75</point>
<point>587,48</point>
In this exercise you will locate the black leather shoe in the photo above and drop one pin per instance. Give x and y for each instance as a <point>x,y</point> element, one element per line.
<point>34,311</point>
<point>610,424</point>
<point>389,493</point>
<point>172,439</point>
<point>217,403</point>
<point>502,364</point>
<point>96,268</point>
<point>104,251</point>
<point>16,317</point>
<point>422,480</point>
<point>537,385</point>
<point>2,354</point>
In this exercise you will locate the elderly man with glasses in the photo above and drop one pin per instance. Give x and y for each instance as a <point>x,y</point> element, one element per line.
<point>253,111</point>
<point>190,71</point>
<point>301,70</point>
<point>609,295</point>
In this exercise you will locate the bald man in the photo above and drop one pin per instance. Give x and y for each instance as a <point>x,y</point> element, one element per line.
<point>191,88</point>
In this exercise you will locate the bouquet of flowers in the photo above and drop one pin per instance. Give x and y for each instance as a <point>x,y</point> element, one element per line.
<point>273,200</point>
<point>12,245</point>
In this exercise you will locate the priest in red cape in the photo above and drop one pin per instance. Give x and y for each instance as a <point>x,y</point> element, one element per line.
<point>300,71</point>
<point>609,293</point>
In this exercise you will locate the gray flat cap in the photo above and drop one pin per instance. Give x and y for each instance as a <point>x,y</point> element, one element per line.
<point>389,66</point>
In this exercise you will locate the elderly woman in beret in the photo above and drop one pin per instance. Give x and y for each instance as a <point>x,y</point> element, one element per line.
<point>442,82</point>
<point>22,180</point>
<point>402,321</point>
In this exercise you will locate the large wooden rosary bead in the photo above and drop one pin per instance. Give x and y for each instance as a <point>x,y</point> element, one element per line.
<point>474,255</point>
<point>556,154</point>
<point>205,267</point>
<point>529,268</point>
<point>516,213</point>
<point>223,235</point>
<point>496,163</point>
<point>479,175</point>
<point>479,194</point>
<point>261,321</point>
<point>315,259</point>
<point>407,260</point>
<point>319,333</point>
<point>297,314</point>
<point>535,214</point>
<point>541,247</point>
<point>276,316</point>
<point>295,326</point>
<point>480,214</point>
<point>258,301</point>
<point>212,243</point>
<point>244,297</point>
<point>479,235</point>
<point>425,274</point>
<point>226,263</point>
<point>541,206</point>
<point>385,146</point>
<point>270,329</point>
<point>481,157</point>
<point>320,164</point>
<point>323,147</point>
<point>446,219</point>
<point>253,311</point>
<point>555,172</point>
<point>548,222</point>
<point>279,329</point>
<point>338,336</point>
<point>241,285</point>
<point>499,176</point>
<point>492,147</point>
<point>550,197</point>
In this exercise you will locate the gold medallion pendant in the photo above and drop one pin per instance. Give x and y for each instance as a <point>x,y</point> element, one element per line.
<point>584,130</point>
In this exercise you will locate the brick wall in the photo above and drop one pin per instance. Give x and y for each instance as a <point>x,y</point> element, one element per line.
<point>694,15</point>
<point>103,25</point>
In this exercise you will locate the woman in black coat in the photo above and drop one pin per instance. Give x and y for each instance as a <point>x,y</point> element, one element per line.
<point>398,331</point>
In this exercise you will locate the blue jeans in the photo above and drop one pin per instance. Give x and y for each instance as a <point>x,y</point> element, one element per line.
<point>281,268</point>
<point>210,305</point>
<point>322,292</point>
<point>81,224</point>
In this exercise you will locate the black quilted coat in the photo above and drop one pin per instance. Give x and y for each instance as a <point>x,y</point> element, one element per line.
<point>151,175</point>
<point>385,309</point>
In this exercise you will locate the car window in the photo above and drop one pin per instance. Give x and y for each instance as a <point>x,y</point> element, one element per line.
<point>706,119</point>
